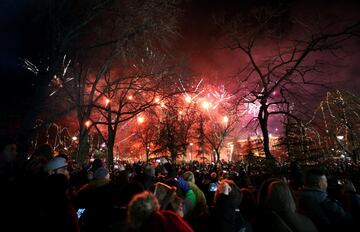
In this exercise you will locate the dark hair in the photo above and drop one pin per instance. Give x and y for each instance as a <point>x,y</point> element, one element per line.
<point>4,142</point>
<point>313,177</point>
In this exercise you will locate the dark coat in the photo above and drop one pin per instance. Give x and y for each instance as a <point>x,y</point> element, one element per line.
<point>327,214</point>
<point>227,216</point>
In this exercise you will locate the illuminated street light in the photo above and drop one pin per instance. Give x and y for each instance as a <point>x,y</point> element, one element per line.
<point>157,100</point>
<point>340,137</point>
<point>130,97</point>
<point>74,138</point>
<point>180,112</point>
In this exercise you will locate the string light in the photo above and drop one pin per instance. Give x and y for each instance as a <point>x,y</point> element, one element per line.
<point>107,101</point>
<point>88,123</point>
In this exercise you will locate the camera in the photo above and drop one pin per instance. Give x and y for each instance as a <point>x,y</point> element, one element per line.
<point>80,212</point>
<point>212,187</point>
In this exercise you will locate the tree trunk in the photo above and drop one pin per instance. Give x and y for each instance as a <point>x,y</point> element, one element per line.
<point>83,150</point>
<point>110,147</point>
<point>263,120</point>
<point>173,154</point>
<point>183,151</point>
<point>217,153</point>
<point>147,153</point>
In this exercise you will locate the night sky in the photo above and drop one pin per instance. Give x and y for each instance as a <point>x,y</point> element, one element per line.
<point>22,36</point>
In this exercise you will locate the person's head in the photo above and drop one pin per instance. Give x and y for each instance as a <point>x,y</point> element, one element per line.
<point>165,194</point>
<point>279,197</point>
<point>189,176</point>
<point>213,176</point>
<point>171,170</point>
<point>149,170</point>
<point>264,187</point>
<point>8,149</point>
<point>141,207</point>
<point>57,165</point>
<point>97,163</point>
<point>101,174</point>
<point>45,151</point>
<point>228,187</point>
<point>316,178</point>
<point>166,221</point>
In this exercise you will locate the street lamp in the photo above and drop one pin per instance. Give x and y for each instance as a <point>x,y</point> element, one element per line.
<point>340,137</point>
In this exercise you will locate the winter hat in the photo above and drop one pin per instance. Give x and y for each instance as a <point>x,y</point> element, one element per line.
<point>140,208</point>
<point>172,173</point>
<point>100,173</point>
<point>55,163</point>
<point>149,170</point>
<point>184,186</point>
<point>165,220</point>
<point>189,176</point>
<point>44,150</point>
<point>97,163</point>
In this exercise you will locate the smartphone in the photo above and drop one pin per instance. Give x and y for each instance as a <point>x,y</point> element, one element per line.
<point>80,212</point>
<point>212,187</point>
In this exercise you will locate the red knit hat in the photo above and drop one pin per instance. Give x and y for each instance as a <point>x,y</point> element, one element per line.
<point>165,220</point>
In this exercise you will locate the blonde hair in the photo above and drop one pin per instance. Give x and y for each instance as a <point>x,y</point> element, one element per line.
<point>279,197</point>
<point>140,208</point>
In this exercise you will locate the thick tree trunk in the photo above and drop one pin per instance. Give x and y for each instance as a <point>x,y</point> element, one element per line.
<point>217,153</point>
<point>173,154</point>
<point>110,147</point>
<point>83,150</point>
<point>147,151</point>
<point>183,152</point>
<point>263,120</point>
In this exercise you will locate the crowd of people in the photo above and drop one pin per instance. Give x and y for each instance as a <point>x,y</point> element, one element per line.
<point>52,193</point>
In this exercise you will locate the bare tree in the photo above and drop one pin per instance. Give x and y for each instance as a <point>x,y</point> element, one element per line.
<point>121,40</point>
<point>274,81</point>
<point>217,132</point>
<point>65,21</point>
<point>176,127</point>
